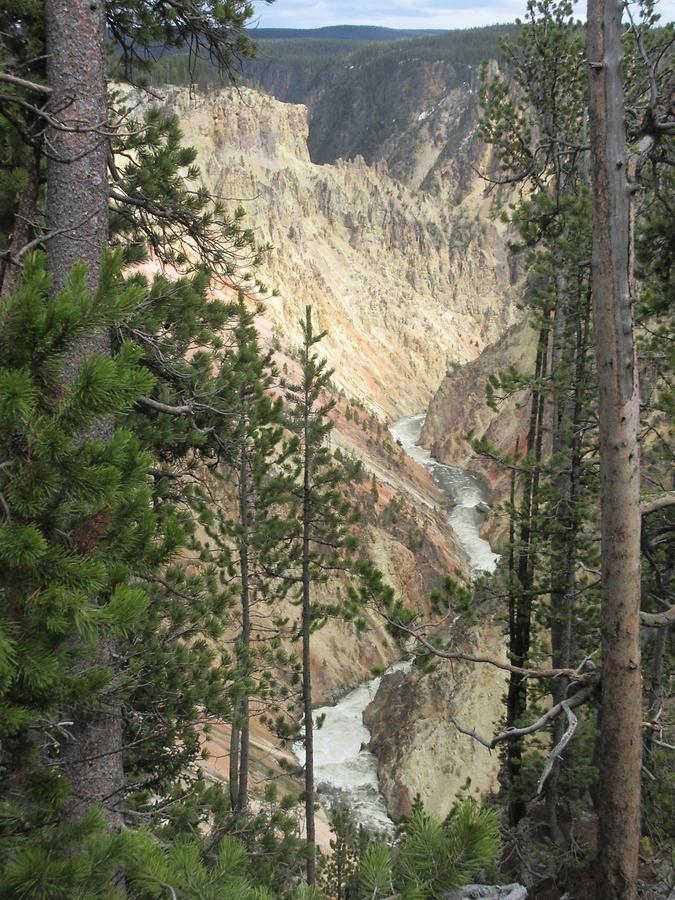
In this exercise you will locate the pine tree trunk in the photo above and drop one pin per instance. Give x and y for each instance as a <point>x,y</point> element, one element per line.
<point>564,537</point>
<point>520,613</point>
<point>244,753</point>
<point>77,221</point>
<point>235,735</point>
<point>619,416</point>
<point>657,688</point>
<point>77,185</point>
<point>245,626</point>
<point>306,656</point>
<point>568,370</point>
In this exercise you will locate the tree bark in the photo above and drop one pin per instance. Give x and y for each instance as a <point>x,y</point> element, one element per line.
<point>77,218</point>
<point>566,445</point>
<point>77,186</point>
<point>244,704</point>
<point>235,735</point>
<point>619,410</point>
<point>520,612</point>
<point>306,656</point>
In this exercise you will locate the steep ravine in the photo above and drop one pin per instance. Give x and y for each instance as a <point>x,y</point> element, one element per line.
<point>466,495</point>
<point>408,285</point>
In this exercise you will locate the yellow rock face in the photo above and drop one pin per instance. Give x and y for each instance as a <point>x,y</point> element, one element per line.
<point>405,283</point>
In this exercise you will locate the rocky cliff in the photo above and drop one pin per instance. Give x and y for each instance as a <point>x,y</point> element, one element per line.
<point>405,283</point>
<point>411,102</point>
<point>418,748</point>
<point>459,406</point>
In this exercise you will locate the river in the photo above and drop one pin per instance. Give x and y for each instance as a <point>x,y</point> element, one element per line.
<point>464,490</point>
<point>345,772</point>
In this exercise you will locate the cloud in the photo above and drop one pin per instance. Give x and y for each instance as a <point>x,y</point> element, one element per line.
<point>442,14</point>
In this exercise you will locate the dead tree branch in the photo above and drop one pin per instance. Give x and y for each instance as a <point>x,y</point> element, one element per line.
<point>656,503</point>
<point>555,754</point>
<point>658,620</point>
<point>577,675</point>
<point>24,83</point>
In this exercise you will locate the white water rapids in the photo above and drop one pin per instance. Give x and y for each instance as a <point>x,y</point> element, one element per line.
<point>345,772</point>
<point>461,488</point>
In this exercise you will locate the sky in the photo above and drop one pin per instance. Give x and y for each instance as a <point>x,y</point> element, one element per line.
<point>444,14</point>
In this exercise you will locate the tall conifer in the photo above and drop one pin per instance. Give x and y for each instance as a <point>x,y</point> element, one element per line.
<point>323,527</point>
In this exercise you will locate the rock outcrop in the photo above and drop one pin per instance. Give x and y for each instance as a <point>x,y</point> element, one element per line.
<point>459,406</point>
<point>418,749</point>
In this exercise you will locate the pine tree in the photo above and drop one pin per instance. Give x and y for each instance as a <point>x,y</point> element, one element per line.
<point>324,522</point>
<point>249,528</point>
<point>150,679</point>
<point>553,221</point>
<point>431,857</point>
<point>535,121</point>
<point>75,519</point>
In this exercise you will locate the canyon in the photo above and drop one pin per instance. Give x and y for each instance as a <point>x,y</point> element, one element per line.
<point>406,266</point>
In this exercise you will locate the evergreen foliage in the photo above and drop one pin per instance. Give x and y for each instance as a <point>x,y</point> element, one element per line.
<point>430,857</point>
<point>322,535</point>
<point>535,119</point>
<point>76,520</point>
<point>323,53</point>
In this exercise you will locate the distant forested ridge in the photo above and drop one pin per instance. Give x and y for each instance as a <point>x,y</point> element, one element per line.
<point>343,33</point>
<point>362,93</point>
<point>319,50</point>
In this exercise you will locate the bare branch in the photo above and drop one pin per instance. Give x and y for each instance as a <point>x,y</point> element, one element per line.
<point>473,734</point>
<point>191,598</point>
<point>565,706</point>
<point>573,721</point>
<point>24,83</point>
<point>575,700</point>
<point>658,620</point>
<point>165,407</point>
<point>4,505</point>
<point>15,258</point>
<point>656,503</point>
<point>573,674</point>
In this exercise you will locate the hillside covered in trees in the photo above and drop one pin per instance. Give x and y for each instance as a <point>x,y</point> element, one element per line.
<point>202,520</point>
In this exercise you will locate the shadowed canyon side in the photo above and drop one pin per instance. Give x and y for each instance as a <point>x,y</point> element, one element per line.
<point>406,283</point>
<point>460,406</point>
<point>417,115</point>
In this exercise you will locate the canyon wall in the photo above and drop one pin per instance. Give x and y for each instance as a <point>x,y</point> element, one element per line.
<point>460,406</point>
<point>419,750</point>
<point>408,271</point>
<point>405,283</point>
